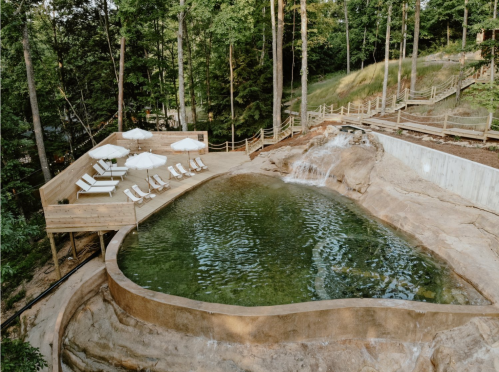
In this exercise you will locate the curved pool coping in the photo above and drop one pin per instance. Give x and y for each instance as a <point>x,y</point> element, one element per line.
<point>400,320</point>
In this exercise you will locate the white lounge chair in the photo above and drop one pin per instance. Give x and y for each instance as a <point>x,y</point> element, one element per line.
<point>142,194</point>
<point>87,189</point>
<point>137,201</point>
<point>154,185</point>
<point>104,174</point>
<point>108,167</point>
<point>194,165</point>
<point>92,182</point>
<point>174,173</point>
<point>158,179</point>
<point>183,171</point>
<point>201,164</point>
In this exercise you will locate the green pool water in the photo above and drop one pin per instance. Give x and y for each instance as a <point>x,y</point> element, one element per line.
<point>254,240</point>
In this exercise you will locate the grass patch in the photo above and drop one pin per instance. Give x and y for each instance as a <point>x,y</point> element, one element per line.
<point>339,89</point>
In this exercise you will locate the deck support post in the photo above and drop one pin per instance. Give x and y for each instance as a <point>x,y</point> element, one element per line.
<point>227,146</point>
<point>348,112</point>
<point>342,112</point>
<point>332,108</point>
<point>398,118</point>
<point>446,117</point>
<point>394,102</point>
<point>369,109</point>
<point>73,245</point>
<point>377,104</point>
<point>247,149</point>
<point>102,245</point>
<point>54,255</point>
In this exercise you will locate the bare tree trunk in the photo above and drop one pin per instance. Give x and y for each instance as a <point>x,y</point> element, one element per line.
<point>175,84</point>
<point>304,68</point>
<point>208,97</point>
<point>415,48</point>
<point>280,33</point>
<point>263,39</point>
<point>463,53</point>
<point>448,33</point>
<point>191,77</point>
<point>405,31</point>
<point>106,28</point>
<point>231,93</point>
<point>120,85</point>
<point>293,49</point>
<point>364,43</point>
<point>402,43</point>
<point>493,62</point>
<point>181,87</point>
<point>347,34</point>
<point>37,124</point>
<point>387,61</point>
<point>274,64</point>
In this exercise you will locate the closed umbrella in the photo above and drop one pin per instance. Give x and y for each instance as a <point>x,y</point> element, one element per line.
<point>188,144</point>
<point>108,152</point>
<point>137,134</point>
<point>146,160</point>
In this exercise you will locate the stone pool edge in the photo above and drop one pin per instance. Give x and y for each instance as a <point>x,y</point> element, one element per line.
<point>401,320</point>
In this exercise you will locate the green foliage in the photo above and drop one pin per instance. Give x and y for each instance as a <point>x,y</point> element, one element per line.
<point>485,95</point>
<point>12,300</point>
<point>17,233</point>
<point>19,356</point>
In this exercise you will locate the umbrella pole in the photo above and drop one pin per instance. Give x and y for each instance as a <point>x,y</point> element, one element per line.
<point>148,183</point>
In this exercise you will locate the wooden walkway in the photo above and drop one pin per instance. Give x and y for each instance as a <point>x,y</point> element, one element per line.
<point>218,163</point>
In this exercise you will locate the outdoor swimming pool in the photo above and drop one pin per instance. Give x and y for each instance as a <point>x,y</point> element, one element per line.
<point>254,240</point>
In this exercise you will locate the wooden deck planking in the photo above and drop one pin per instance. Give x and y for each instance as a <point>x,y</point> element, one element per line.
<point>218,163</point>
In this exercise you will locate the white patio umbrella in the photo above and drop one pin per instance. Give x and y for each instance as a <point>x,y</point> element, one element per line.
<point>137,134</point>
<point>109,152</point>
<point>146,160</point>
<point>188,144</point>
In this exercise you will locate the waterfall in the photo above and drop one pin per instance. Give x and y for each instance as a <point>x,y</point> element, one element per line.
<point>315,166</point>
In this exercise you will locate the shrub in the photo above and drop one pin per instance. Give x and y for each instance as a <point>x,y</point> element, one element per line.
<point>19,356</point>
<point>11,301</point>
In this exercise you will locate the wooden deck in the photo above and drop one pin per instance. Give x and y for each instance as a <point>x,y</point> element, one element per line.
<point>218,163</point>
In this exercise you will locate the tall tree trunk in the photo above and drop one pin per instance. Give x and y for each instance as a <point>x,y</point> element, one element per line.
<point>387,61</point>
<point>415,48</point>
<point>293,49</point>
<point>463,53</point>
<point>405,31</point>
<point>108,37</point>
<point>208,97</point>
<point>174,83</point>
<point>402,43</point>
<point>274,64</point>
<point>448,33</point>
<point>347,35</point>
<point>364,42</point>
<point>493,62</point>
<point>304,68</point>
<point>262,57</point>
<point>191,77</point>
<point>120,85</point>
<point>231,93</point>
<point>37,124</point>
<point>280,33</point>
<point>181,87</point>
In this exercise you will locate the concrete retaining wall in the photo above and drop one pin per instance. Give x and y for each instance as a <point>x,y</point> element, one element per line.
<point>473,181</point>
